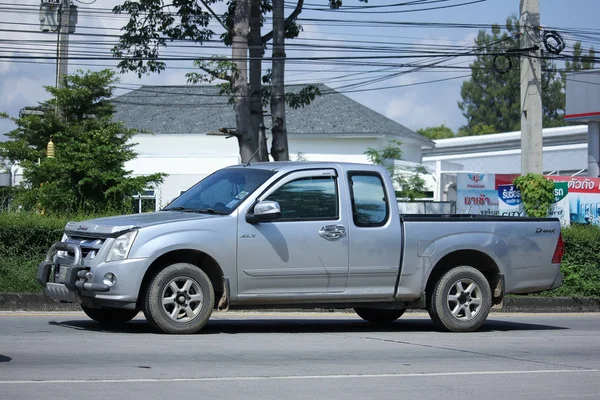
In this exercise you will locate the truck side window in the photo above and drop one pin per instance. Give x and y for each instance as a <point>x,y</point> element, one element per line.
<point>311,198</point>
<point>369,202</point>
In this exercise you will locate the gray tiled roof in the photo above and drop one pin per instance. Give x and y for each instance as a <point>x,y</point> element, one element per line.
<point>200,109</point>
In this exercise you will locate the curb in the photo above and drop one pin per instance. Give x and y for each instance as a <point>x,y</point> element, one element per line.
<point>549,305</point>
<point>33,302</point>
<point>39,302</point>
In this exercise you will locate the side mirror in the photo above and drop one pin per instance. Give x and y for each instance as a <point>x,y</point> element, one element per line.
<point>264,211</point>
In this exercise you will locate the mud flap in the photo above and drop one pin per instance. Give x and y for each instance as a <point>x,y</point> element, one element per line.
<point>224,301</point>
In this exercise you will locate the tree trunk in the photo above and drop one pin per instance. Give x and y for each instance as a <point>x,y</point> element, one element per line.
<point>247,138</point>
<point>256,54</point>
<point>279,148</point>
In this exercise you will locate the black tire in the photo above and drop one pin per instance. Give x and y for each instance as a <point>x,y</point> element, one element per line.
<point>110,316</point>
<point>378,315</point>
<point>185,310</point>
<point>460,311</point>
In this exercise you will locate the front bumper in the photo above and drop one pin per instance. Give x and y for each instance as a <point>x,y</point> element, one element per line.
<point>66,282</point>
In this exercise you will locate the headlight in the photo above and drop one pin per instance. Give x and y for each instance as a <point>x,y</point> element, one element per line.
<point>64,237</point>
<point>121,246</point>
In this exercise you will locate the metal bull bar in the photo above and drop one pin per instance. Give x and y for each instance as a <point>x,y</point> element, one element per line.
<point>72,270</point>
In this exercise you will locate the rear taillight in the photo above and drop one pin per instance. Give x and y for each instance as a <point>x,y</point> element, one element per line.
<point>559,251</point>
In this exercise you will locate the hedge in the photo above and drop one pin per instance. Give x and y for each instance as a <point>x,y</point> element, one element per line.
<point>581,262</point>
<point>25,239</point>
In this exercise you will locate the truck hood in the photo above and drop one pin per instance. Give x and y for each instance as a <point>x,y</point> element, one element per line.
<point>114,226</point>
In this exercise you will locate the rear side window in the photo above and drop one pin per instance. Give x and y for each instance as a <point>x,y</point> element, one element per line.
<point>369,201</point>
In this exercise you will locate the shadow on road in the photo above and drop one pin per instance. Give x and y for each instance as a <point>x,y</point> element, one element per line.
<point>4,358</point>
<point>223,325</point>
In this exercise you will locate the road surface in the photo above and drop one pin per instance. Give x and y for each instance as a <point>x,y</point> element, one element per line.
<point>300,356</point>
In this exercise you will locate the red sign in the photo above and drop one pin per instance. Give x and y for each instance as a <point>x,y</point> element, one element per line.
<point>579,184</point>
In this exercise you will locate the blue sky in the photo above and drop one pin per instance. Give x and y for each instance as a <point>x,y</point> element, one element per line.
<point>21,84</point>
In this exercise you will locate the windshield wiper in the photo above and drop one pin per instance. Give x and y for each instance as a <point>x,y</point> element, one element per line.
<point>179,209</point>
<point>195,210</point>
<point>211,211</point>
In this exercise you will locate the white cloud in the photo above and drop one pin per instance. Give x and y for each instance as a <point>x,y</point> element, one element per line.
<point>414,106</point>
<point>420,109</point>
<point>23,89</point>
<point>411,114</point>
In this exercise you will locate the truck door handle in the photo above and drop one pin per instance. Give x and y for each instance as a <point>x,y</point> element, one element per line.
<point>332,232</point>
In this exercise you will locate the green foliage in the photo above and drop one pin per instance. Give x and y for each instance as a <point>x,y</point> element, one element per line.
<point>300,156</point>
<point>409,181</point>
<point>581,262</point>
<point>412,185</point>
<point>6,195</point>
<point>491,99</point>
<point>27,237</point>
<point>151,24</point>
<point>476,130</point>
<point>392,151</point>
<point>222,70</point>
<point>25,240</point>
<point>436,132</point>
<point>87,173</point>
<point>537,194</point>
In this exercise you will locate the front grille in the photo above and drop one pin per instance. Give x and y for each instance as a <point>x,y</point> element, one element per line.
<point>89,246</point>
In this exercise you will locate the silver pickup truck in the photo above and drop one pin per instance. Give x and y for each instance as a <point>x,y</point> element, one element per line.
<point>298,235</point>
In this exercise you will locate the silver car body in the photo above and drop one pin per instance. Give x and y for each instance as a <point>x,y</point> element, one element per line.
<point>317,262</point>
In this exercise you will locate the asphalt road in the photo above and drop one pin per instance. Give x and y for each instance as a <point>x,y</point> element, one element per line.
<point>300,356</point>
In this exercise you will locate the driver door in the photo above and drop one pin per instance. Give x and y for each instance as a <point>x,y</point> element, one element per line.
<point>297,253</point>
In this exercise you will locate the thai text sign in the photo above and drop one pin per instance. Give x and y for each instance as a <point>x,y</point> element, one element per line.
<point>576,199</point>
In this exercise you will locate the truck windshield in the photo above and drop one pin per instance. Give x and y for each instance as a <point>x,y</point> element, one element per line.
<point>221,192</point>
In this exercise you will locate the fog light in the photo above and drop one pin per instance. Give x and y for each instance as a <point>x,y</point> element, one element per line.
<point>110,279</point>
<point>88,276</point>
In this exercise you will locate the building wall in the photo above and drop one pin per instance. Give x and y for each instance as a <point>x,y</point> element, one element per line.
<point>345,149</point>
<point>189,158</point>
<point>567,159</point>
<point>565,152</point>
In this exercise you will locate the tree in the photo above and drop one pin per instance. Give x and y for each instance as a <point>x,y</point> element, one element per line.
<point>87,173</point>
<point>409,181</point>
<point>436,132</point>
<point>491,97</point>
<point>279,129</point>
<point>152,23</point>
<point>476,130</point>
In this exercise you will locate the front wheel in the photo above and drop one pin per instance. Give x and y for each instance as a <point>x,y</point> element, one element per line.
<point>461,300</point>
<point>378,315</point>
<point>179,299</point>
<point>110,316</point>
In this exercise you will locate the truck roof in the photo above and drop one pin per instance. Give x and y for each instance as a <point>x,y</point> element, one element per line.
<point>286,166</point>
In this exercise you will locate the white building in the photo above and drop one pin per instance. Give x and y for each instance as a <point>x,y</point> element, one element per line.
<point>332,128</point>
<point>565,152</point>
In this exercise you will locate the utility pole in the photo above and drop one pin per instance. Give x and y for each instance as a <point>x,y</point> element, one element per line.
<point>62,50</point>
<point>59,16</point>
<point>531,89</point>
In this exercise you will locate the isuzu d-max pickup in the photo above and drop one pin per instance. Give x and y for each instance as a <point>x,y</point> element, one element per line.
<point>298,235</point>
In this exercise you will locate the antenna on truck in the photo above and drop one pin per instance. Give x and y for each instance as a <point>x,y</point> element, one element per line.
<point>251,158</point>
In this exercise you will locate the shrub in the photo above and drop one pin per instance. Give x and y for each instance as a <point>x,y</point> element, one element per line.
<point>24,240</point>
<point>581,262</point>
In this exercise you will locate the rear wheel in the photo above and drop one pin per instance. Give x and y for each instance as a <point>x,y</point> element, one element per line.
<point>179,299</point>
<point>378,315</point>
<point>110,315</point>
<point>461,300</point>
